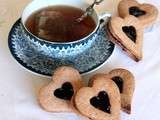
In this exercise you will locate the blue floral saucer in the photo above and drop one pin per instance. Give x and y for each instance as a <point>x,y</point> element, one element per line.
<point>38,62</point>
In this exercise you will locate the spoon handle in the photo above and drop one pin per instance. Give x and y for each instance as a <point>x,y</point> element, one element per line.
<point>89,10</point>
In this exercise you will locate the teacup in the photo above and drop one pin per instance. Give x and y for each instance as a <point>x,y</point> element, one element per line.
<point>60,49</point>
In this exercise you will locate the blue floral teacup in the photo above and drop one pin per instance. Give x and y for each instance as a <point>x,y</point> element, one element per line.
<point>58,49</point>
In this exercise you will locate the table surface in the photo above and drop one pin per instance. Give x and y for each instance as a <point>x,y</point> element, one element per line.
<point>19,88</point>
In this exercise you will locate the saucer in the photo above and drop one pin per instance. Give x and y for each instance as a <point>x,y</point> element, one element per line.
<point>37,62</point>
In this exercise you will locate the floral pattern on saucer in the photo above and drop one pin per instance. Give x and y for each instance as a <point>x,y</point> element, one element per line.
<point>45,63</point>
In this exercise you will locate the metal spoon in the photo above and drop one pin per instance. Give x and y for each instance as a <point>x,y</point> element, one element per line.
<point>89,10</point>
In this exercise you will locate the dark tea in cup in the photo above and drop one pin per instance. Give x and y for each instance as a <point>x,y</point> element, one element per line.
<point>58,24</point>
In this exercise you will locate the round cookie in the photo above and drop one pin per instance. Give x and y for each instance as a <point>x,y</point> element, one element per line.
<point>146,13</point>
<point>57,95</point>
<point>101,101</point>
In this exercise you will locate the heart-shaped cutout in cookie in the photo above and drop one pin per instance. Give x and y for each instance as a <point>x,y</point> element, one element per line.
<point>58,94</point>
<point>65,92</point>
<point>146,13</point>
<point>136,11</point>
<point>119,82</point>
<point>101,101</point>
<point>126,83</point>
<point>128,33</point>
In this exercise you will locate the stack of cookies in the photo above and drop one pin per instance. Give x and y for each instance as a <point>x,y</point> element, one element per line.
<point>102,99</point>
<point>127,29</point>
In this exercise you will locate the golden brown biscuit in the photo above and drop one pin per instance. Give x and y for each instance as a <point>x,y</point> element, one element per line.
<point>96,76</point>
<point>57,95</point>
<point>99,102</point>
<point>126,83</point>
<point>128,34</point>
<point>146,13</point>
<point>77,112</point>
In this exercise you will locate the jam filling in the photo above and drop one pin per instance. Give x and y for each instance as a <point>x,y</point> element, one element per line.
<point>136,11</point>
<point>65,92</point>
<point>119,82</point>
<point>101,102</point>
<point>130,31</point>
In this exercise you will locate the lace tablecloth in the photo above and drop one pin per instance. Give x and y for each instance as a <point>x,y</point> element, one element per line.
<point>19,88</point>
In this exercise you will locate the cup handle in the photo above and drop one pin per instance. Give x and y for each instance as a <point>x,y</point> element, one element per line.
<point>103,18</point>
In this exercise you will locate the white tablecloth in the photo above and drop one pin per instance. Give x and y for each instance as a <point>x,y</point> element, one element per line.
<point>19,88</point>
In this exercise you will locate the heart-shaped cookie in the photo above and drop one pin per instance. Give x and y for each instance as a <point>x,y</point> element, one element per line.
<point>146,13</point>
<point>128,33</point>
<point>57,95</point>
<point>126,83</point>
<point>99,102</point>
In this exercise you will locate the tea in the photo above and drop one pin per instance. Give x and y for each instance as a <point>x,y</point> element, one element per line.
<point>58,24</point>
